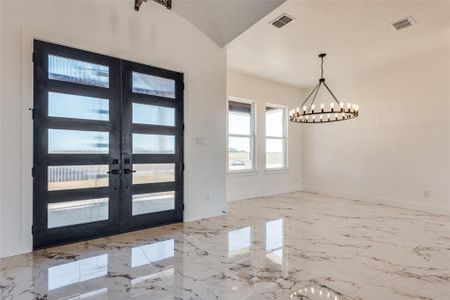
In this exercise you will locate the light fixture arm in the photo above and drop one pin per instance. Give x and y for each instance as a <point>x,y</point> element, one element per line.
<point>309,114</point>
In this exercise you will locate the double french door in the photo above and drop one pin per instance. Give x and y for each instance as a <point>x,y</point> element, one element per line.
<point>108,145</point>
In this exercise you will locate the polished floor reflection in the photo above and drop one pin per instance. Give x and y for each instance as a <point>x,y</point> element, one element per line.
<point>292,246</point>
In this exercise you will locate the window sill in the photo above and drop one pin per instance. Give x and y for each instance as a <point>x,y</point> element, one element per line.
<point>277,170</point>
<point>243,173</point>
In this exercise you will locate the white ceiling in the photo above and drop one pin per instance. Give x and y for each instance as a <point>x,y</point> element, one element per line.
<point>223,20</point>
<point>355,35</point>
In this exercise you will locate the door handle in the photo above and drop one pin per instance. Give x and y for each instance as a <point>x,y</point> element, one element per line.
<point>128,171</point>
<point>113,172</point>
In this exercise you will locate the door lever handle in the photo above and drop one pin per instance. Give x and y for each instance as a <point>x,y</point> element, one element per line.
<point>128,171</point>
<point>114,172</point>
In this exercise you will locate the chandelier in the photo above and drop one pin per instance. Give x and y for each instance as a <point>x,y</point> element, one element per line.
<point>336,111</point>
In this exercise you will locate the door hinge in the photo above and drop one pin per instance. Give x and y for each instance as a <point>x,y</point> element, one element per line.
<point>33,171</point>
<point>182,126</point>
<point>183,166</point>
<point>182,207</point>
<point>32,229</point>
<point>182,86</point>
<point>33,57</point>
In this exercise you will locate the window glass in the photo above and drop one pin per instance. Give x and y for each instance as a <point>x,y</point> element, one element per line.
<point>241,136</point>
<point>153,202</point>
<point>77,212</point>
<point>62,141</point>
<point>77,71</point>
<point>153,85</point>
<point>276,141</point>
<point>152,173</point>
<point>77,107</point>
<point>153,115</point>
<point>77,177</point>
<point>153,144</point>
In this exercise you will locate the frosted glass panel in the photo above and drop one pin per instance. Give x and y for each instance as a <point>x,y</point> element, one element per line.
<point>77,177</point>
<point>153,202</point>
<point>61,141</point>
<point>77,212</point>
<point>274,153</point>
<point>152,173</point>
<point>77,71</point>
<point>77,107</point>
<point>153,144</point>
<point>153,115</point>
<point>153,85</point>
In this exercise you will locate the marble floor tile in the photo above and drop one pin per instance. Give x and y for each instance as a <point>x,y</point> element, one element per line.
<point>290,246</point>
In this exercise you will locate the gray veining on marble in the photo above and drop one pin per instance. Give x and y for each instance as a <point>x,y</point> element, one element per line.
<point>291,246</point>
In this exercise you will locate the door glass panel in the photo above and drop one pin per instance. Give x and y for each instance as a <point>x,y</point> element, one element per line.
<point>153,202</point>
<point>77,177</point>
<point>153,85</point>
<point>152,173</point>
<point>77,107</point>
<point>153,115</point>
<point>77,71</point>
<point>77,212</point>
<point>153,144</point>
<point>274,153</point>
<point>61,141</point>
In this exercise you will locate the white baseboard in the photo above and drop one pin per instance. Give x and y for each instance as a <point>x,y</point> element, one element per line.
<point>441,210</point>
<point>246,194</point>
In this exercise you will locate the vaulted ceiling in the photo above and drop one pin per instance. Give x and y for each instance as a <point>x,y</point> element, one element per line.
<point>224,20</point>
<point>357,35</point>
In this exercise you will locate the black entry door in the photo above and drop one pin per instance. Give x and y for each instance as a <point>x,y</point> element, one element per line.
<point>108,145</point>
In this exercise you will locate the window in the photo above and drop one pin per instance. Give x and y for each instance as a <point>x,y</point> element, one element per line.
<point>241,135</point>
<point>276,137</point>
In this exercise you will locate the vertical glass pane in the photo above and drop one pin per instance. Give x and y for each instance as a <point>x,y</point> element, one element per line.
<point>153,202</point>
<point>77,107</point>
<point>153,115</point>
<point>152,173</point>
<point>77,71</point>
<point>239,241</point>
<point>77,212</point>
<point>153,144</point>
<point>274,153</point>
<point>274,121</point>
<point>239,153</point>
<point>153,85</point>
<point>61,141</point>
<point>77,271</point>
<point>239,123</point>
<point>77,177</point>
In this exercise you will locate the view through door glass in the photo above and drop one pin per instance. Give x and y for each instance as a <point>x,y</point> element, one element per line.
<point>105,160</point>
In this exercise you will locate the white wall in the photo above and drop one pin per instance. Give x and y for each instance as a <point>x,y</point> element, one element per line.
<point>264,182</point>
<point>398,148</point>
<point>154,36</point>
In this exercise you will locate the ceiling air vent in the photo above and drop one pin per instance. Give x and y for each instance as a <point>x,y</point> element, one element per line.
<point>403,23</point>
<point>282,20</point>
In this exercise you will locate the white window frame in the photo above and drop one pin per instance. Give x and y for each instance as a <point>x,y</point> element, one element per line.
<point>252,135</point>
<point>285,137</point>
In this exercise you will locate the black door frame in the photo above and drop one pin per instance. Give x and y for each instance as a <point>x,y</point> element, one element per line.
<point>119,122</point>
